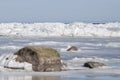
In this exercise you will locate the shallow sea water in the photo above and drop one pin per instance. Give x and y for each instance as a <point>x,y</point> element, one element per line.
<point>106,50</point>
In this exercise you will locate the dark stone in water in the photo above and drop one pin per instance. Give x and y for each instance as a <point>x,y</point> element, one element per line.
<point>72,48</point>
<point>42,58</point>
<point>93,64</point>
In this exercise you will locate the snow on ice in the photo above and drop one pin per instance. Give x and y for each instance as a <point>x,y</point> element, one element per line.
<point>61,29</point>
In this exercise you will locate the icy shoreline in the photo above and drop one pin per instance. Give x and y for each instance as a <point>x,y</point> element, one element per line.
<point>60,29</point>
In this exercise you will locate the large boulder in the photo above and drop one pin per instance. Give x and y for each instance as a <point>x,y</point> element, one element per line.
<point>93,64</point>
<point>42,58</point>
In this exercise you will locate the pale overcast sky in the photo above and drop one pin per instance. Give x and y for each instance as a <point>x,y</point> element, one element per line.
<point>59,11</point>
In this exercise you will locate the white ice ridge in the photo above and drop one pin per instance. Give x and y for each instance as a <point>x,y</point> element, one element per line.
<point>76,29</point>
<point>8,63</point>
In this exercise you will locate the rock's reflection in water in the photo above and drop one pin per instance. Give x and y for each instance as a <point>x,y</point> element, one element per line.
<point>30,78</point>
<point>46,78</point>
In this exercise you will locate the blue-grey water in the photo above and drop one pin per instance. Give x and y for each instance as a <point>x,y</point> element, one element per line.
<point>103,49</point>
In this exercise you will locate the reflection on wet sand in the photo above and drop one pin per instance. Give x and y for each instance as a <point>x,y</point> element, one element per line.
<point>30,78</point>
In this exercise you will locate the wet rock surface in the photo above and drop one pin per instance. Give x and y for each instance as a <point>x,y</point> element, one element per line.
<point>72,48</point>
<point>93,64</point>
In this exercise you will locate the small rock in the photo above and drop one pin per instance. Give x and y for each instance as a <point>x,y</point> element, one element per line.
<point>7,58</point>
<point>93,64</point>
<point>72,48</point>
